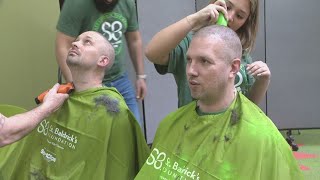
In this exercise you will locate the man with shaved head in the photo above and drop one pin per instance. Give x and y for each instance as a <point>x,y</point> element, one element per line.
<point>117,21</point>
<point>93,135</point>
<point>89,57</point>
<point>221,134</point>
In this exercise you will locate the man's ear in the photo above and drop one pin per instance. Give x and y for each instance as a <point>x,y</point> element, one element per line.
<point>103,61</point>
<point>235,67</point>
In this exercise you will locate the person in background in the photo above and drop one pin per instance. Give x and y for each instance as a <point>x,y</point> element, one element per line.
<point>167,49</point>
<point>117,21</point>
<point>221,134</point>
<point>16,127</point>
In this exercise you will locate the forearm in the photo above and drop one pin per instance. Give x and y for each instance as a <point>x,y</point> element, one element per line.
<point>16,127</point>
<point>135,50</point>
<point>258,91</point>
<point>136,55</point>
<point>160,46</point>
<point>158,49</point>
<point>61,56</point>
<point>63,44</point>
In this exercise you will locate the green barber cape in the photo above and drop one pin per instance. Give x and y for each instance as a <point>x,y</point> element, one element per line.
<point>92,136</point>
<point>240,143</point>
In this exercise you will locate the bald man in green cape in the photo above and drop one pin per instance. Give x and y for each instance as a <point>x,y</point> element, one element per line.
<point>92,136</point>
<point>222,134</point>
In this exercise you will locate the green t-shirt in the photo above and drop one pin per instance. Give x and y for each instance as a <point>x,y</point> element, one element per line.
<point>240,143</point>
<point>92,136</point>
<point>177,66</point>
<point>78,16</point>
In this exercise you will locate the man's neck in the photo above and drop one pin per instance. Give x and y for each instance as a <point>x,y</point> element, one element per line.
<point>83,80</point>
<point>84,84</point>
<point>217,104</point>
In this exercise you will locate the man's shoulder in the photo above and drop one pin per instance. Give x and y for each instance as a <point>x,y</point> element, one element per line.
<point>111,92</point>
<point>173,121</point>
<point>124,5</point>
<point>79,5</point>
<point>74,16</point>
<point>102,96</point>
<point>130,3</point>
<point>101,91</point>
<point>254,120</point>
<point>251,110</point>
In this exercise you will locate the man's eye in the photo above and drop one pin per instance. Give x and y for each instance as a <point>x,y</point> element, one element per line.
<point>204,61</point>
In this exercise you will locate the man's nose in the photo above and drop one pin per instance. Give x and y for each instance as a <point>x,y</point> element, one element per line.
<point>192,69</point>
<point>74,44</point>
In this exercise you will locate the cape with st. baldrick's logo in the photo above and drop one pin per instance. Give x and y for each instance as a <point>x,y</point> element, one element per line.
<point>240,143</point>
<point>92,136</point>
